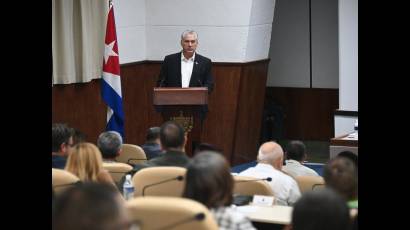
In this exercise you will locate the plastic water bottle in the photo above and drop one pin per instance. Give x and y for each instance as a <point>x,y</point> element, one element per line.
<point>128,188</point>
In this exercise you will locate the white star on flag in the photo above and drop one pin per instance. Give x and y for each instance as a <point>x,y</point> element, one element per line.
<point>109,52</point>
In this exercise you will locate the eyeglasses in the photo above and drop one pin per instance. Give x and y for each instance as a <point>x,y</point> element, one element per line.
<point>68,144</point>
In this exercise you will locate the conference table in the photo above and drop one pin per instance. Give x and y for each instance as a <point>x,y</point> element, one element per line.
<point>267,215</point>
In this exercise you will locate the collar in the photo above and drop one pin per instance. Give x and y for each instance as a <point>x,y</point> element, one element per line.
<point>292,162</point>
<point>186,60</point>
<point>264,165</point>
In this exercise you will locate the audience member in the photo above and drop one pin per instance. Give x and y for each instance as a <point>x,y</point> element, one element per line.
<point>320,209</point>
<point>152,145</point>
<point>109,143</point>
<point>85,161</point>
<point>340,174</point>
<point>351,156</point>
<point>173,139</point>
<point>91,206</point>
<point>62,141</point>
<point>270,162</point>
<point>296,154</point>
<point>208,180</point>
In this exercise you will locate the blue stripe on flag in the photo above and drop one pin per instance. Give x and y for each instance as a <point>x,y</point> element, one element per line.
<point>114,101</point>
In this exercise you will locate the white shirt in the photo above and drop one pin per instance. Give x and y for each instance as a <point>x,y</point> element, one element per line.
<point>284,187</point>
<point>186,69</point>
<point>295,168</point>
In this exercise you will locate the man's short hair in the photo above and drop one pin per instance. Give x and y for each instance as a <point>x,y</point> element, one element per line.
<point>319,210</point>
<point>340,174</point>
<point>172,135</point>
<point>152,134</point>
<point>296,150</point>
<point>186,32</point>
<point>109,143</point>
<point>61,133</point>
<point>89,206</point>
<point>351,156</point>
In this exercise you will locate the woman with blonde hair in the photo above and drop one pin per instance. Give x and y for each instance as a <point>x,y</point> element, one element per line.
<point>85,161</point>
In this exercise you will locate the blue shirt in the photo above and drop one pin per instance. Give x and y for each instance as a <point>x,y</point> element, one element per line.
<point>152,150</point>
<point>58,161</point>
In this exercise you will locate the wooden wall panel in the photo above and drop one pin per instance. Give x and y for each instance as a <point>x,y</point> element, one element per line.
<point>249,112</point>
<point>235,105</point>
<point>80,106</point>
<point>308,112</point>
<point>219,125</point>
<point>138,82</point>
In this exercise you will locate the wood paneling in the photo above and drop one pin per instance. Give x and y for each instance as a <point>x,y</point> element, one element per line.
<point>232,123</point>
<point>308,112</point>
<point>249,112</point>
<point>138,82</point>
<point>80,106</point>
<point>219,125</point>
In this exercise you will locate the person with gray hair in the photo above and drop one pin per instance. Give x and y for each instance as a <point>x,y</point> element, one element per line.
<point>186,68</point>
<point>270,161</point>
<point>110,143</point>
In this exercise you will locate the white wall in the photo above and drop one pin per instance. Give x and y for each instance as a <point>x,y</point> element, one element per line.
<point>290,44</point>
<point>344,125</point>
<point>325,51</point>
<point>289,48</point>
<point>229,30</point>
<point>130,23</point>
<point>348,55</point>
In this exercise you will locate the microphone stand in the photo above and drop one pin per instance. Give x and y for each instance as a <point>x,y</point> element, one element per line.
<point>179,178</point>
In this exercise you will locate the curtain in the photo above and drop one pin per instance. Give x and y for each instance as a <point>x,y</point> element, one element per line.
<point>78,39</point>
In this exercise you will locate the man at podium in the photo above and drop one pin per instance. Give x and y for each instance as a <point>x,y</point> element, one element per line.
<point>186,68</point>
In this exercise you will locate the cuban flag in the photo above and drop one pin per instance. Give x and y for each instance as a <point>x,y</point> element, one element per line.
<point>111,81</point>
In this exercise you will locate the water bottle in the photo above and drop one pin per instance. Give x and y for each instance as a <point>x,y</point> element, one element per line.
<point>128,188</point>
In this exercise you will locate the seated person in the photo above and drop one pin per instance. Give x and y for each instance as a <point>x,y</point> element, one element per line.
<point>296,154</point>
<point>320,210</point>
<point>173,140</point>
<point>85,161</point>
<point>270,162</point>
<point>62,141</point>
<point>152,146</point>
<point>90,206</point>
<point>351,156</point>
<point>208,181</point>
<point>341,174</point>
<point>110,145</point>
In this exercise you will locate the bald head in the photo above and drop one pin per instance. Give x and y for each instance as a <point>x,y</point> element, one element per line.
<point>271,153</point>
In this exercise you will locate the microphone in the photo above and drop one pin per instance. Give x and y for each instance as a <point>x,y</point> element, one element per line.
<point>197,217</point>
<point>269,179</point>
<point>179,178</point>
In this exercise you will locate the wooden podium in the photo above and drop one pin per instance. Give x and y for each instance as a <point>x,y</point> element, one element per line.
<point>183,105</point>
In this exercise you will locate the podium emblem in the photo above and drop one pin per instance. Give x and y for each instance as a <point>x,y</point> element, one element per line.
<point>187,122</point>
